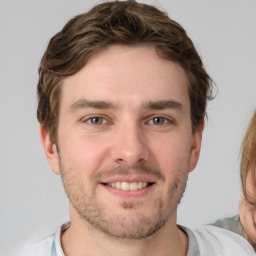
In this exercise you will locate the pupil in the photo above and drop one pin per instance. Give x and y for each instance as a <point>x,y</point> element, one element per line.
<point>96,120</point>
<point>158,120</point>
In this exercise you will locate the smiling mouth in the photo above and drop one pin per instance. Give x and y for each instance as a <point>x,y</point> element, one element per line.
<point>129,186</point>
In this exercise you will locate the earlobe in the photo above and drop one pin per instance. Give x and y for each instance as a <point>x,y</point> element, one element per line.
<point>50,150</point>
<point>196,146</point>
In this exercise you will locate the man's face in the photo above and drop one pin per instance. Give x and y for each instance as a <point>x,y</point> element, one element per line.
<point>125,144</point>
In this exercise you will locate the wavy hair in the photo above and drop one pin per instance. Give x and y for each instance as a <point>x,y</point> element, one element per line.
<point>118,22</point>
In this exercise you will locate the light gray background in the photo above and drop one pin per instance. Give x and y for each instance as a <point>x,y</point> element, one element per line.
<point>33,202</point>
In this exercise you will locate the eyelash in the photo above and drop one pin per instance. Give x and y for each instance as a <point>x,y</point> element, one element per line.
<point>89,120</point>
<point>165,120</point>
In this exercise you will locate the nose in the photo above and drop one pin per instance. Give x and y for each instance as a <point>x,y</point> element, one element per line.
<point>129,146</point>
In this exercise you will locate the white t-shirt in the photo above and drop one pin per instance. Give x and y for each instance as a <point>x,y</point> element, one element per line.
<point>204,241</point>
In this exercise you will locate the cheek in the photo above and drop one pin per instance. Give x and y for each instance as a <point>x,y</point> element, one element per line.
<point>173,153</point>
<point>250,187</point>
<point>81,153</point>
<point>247,215</point>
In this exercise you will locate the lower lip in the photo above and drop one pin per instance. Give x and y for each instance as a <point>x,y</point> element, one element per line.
<point>129,194</point>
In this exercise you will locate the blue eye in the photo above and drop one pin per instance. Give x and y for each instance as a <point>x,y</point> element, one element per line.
<point>97,120</point>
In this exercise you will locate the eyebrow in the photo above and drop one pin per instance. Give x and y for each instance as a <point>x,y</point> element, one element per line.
<point>164,104</point>
<point>151,105</point>
<point>83,104</point>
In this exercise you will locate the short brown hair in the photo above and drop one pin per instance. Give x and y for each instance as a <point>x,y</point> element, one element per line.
<point>117,22</point>
<point>248,159</point>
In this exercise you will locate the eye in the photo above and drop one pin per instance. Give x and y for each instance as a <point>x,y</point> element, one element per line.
<point>159,120</point>
<point>96,120</point>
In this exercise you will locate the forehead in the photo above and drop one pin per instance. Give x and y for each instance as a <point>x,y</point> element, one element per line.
<point>126,73</point>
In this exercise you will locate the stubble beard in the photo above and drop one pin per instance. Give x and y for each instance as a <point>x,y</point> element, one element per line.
<point>123,227</point>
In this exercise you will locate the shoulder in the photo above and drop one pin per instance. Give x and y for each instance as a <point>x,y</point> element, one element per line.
<point>232,223</point>
<point>48,246</point>
<point>217,241</point>
<point>41,248</point>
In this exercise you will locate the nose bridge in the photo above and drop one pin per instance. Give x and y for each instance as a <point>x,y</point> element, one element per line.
<point>130,145</point>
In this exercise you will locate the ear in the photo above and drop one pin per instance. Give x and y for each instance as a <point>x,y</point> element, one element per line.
<point>196,146</point>
<point>50,150</point>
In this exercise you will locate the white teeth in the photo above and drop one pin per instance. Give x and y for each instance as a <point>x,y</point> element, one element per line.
<point>125,186</point>
<point>133,186</point>
<point>128,186</point>
<point>119,185</point>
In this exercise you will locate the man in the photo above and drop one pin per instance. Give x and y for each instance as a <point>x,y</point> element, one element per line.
<point>122,97</point>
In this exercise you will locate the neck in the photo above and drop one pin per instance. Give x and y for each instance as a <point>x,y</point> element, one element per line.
<point>83,239</point>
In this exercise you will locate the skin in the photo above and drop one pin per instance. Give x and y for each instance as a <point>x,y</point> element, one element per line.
<point>247,212</point>
<point>124,117</point>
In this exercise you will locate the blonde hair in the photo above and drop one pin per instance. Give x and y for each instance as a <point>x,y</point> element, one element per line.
<point>248,159</point>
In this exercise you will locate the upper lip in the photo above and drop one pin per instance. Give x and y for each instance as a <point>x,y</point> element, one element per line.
<point>129,178</point>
